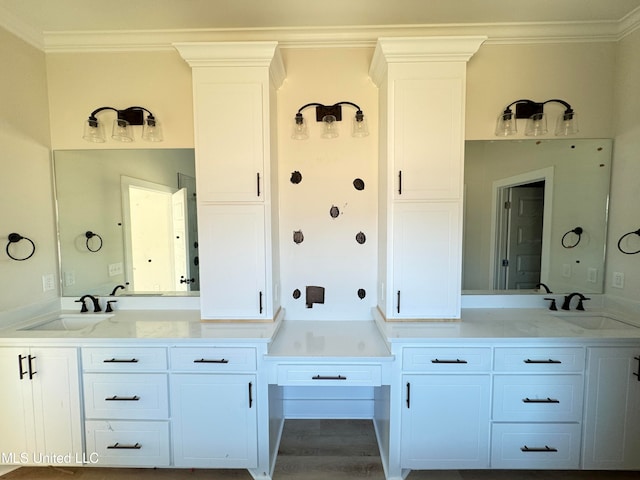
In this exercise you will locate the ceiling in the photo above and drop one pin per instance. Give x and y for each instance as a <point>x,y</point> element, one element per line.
<point>39,19</point>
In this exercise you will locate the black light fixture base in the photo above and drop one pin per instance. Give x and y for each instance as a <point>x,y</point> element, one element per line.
<point>324,110</point>
<point>528,109</point>
<point>133,115</point>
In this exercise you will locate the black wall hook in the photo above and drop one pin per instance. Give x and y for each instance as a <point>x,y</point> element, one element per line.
<point>89,234</point>
<point>578,231</point>
<point>635,232</point>
<point>15,238</point>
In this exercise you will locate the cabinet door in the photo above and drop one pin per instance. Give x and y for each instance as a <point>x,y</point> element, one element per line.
<point>232,261</point>
<point>214,421</point>
<point>229,141</point>
<point>426,261</point>
<point>428,131</point>
<point>445,422</point>
<point>16,414</point>
<point>612,411</point>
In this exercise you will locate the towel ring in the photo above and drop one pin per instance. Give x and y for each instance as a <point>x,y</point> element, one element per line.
<point>15,238</point>
<point>578,231</point>
<point>89,234</point>
<point>637,232</point>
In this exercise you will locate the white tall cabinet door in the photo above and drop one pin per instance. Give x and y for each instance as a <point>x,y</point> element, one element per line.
<point>426,260</point>
<point>214,421</point>
<point>445,422</point>
<point>40,412</point>
<point>612,409</point>
<point>232,267</point>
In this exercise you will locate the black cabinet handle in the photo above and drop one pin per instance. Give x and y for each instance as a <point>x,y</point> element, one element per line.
<point>538,449</point>
<point>637,374</point>
<point>250,394</point>
<point>260,301</point>
<point>528,360</point>
<point>540,400</point>
<point>399,182</point>
<point>398,301</point>
<point>204,360</point>
<point>20,370</point>
<point>121,360</point>
<point>258,183</point>
<point>116,398</point>
<point>32,371</point>
<point>117,446</point>
<point>457,361</point>
<point>323,377</point>
<point>408,395</point>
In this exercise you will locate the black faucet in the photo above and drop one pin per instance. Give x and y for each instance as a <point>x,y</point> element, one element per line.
<point>96,304</point>
<point>544,286</point>
<point>115,289</point>
<point>566,305</point>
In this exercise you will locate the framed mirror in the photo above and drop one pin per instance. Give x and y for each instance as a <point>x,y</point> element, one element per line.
<point>535,212</point>
<point>127,217</point>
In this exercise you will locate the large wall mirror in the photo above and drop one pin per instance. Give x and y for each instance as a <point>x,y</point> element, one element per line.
<point>127,217</point>
<point>535,212</point>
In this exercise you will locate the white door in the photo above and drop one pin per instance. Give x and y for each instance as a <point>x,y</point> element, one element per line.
<point>180,237</point>
<point>16,414</point>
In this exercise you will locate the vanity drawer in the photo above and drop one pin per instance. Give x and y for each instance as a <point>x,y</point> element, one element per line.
<point>213,359</point>
<point>537,398</point>
<point>540,359</point>
<point>126,396</point>
<point>126,443</point>
<point>535,446</point>
<point>446,359</point>
<point>124,359</point>
<point>314,374</point>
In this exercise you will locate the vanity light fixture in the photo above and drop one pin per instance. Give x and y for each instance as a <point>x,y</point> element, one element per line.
<point>536,119</point>
<point>122,125</point>
<point>329,115</point>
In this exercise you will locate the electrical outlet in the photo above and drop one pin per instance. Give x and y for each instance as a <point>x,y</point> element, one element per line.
<point>69,279</point>
<point>48,282</point>
<point>618,280</point>
<point>592,275</point>
<point>566,270</point>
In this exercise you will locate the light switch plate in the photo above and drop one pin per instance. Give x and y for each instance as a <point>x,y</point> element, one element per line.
<point>48,282</point>
<point>618,280</point>
<point>592,275</point>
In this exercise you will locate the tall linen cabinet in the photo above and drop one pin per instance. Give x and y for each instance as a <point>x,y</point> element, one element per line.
<point>421,83</point>
<point>234,94</point>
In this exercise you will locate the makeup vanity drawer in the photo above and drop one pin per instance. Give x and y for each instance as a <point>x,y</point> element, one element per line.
<point>540,359</point>
<point>213,359</point>
<point>126,396</point>
<point>535,446</point>
<point>127,443</point>
<point>537,398</point>
<point>124,359</point>
<point>314,374</point>
<point>446,359</point>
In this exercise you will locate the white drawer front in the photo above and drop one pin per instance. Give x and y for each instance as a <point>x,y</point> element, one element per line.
<point>124,443</point>
<point>540,360</point>
<point>535,446</point>
<point>449,360</point>
<point>213,359</point>
<point>537,398</point>
<point>126,396</point>
<point>124,359</point>
<point>330,375</point>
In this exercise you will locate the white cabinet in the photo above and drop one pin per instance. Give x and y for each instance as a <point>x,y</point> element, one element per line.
<point>40,398</point>
<point>446,409</point>
<point>234,270</point>
<point>422,97</point>
<point>234,100</point>
<point>612,410</point>
<point>214,407</point>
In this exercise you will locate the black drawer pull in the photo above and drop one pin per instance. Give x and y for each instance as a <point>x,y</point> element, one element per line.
<point>117,446</point>
<point>542,361</point>
<point>32,371</point>
<point>116,398</point>
<point>540,400</point>
<point>538,449</point>
<point>204,360</point>
<point>121,360</point>
<point>457,360</point>
<point>637,374</point>
<point>320,377</point>
<point>20,367</point>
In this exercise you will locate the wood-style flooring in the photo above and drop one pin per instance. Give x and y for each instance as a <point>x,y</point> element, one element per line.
<point>313,450</point>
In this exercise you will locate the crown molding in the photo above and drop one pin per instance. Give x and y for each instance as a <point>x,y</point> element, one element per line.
<point>320,37</point>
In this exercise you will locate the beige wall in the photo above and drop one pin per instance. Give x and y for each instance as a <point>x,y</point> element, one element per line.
<point>26,205</point>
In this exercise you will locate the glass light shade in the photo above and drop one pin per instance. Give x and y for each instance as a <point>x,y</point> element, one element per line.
<point>152,130</point>
<point>506,124</point>
<point>536,125</point>
<point>93,131</point>
<point>300,131</point>
<point>330,127</point>
<point>359,127</point>
<point>566,125</point>
<point>122,131</point>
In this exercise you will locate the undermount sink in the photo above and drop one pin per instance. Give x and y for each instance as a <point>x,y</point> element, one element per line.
<point>596,321</point>
<point>70,321</point>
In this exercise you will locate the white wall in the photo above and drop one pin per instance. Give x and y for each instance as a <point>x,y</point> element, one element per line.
<point>26,205</point>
